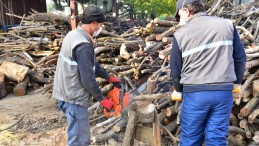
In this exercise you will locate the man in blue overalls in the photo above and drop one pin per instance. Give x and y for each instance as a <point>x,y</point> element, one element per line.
<point>207,62</point>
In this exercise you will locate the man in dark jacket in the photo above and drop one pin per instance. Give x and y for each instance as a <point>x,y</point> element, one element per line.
<point>74,80</point>
<point>207,61</point>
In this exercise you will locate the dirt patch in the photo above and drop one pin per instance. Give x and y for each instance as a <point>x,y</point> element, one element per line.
<point>36,121</point>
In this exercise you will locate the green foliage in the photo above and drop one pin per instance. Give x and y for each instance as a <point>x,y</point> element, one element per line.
<point>147,7</point>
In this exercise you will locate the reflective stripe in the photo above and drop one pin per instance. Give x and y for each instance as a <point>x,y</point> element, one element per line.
<point>207,46</point>
<point>67,60</point>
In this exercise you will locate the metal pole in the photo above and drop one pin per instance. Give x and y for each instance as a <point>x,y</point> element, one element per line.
<point>74,13</point>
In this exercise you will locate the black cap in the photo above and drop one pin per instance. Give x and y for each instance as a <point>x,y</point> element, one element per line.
<point>180,4</point>
<point>92,13</point>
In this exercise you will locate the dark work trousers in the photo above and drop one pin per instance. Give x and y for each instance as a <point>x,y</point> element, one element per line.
<point>78,123</point>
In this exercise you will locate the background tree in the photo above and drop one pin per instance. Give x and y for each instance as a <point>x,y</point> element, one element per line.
<point>149,7</point>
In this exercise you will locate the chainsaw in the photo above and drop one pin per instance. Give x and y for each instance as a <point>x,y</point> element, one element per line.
<point>120,98</point>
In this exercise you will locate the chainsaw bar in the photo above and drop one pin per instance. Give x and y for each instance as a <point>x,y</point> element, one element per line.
<point>139,90</point>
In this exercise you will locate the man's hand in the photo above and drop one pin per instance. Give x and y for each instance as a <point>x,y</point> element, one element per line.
<point>237,88</point>
<point>107,104</point>
<point>176,96</point>
<point>114,80</point>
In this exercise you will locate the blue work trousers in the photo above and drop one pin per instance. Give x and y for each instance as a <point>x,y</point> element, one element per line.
<point>78,123</point>
<point>205,116</point>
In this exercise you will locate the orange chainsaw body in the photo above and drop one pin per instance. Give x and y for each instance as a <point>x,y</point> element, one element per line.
<point>114,97</point>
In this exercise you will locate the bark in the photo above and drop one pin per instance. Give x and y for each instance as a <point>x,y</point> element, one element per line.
<point>152,37</point>
<point>253,115</point>
<point>156,130</point>
<point>152,96</point>
<point>167,40</point>
<point>151,85</point>
<point>245,111</point>
<point>131,126</point>
<point>164,22</point>
<point>164,53</point>
<point>252,63</point>
<point>167,33</point>
<point>103,137</point>
<point>255,87</point>
<point>2,86</point>
<point>170,111</point>
<point>233,129</point>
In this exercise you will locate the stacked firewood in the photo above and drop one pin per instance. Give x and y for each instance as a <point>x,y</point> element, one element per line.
<point>244,119</point>
<point>141,56</point>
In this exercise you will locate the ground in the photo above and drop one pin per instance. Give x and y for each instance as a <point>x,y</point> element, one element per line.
<point>38,121</point>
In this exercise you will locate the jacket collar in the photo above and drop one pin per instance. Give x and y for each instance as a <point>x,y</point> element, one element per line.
<point>85,34</point>
<point>197,15</point>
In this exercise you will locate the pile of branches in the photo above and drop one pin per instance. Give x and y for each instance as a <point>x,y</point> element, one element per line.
<point>140,56</point>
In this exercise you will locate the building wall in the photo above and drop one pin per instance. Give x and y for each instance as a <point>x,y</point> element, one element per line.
<point>19,7</point>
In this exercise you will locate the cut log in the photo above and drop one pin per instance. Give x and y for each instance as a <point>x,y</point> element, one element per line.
<point>103,137</point>
<point>171,127</point>
<point>164,22</point>
<point>232,140</point>
<point>20,88</point>
<point>233,129</point>
<point>106,122</point>
<point>151,85</point>
<point>13,71</point>
<point>247,92</point>
<point>253,115</point>
<point>152,96</point>
<point>146,113</point>
<point>129,136</point>
<point>123,52</point>
<point>233,120</point>
<point>167,33</point>
<point>156,130</point>
<point>159,29</point>
<point>167,40</point>
<point>252,63</point>
<point>255,87</point>
<point>245,111</point>
<point>170,111</point>
<point>2,86</point>
<point>152,37</point>
<point>245,86</point>
<point>164,53</point>
<point>121,124</point>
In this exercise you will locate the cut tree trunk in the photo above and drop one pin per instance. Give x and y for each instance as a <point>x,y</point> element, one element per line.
<point>131,126</point>
<point>13,71</point>
<point>2,86</point>
<point>146,113</point>
<point>20,88</point>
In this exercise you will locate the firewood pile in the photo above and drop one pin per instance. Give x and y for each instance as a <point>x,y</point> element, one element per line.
<point>244,121</point>
<point>140,55</point>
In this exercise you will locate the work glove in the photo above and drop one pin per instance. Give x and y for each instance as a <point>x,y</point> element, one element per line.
<point>176,96</point>
<point>107,104</point>
<point>237,88</point>
<point>236,91</point>
<point>114,80</point>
